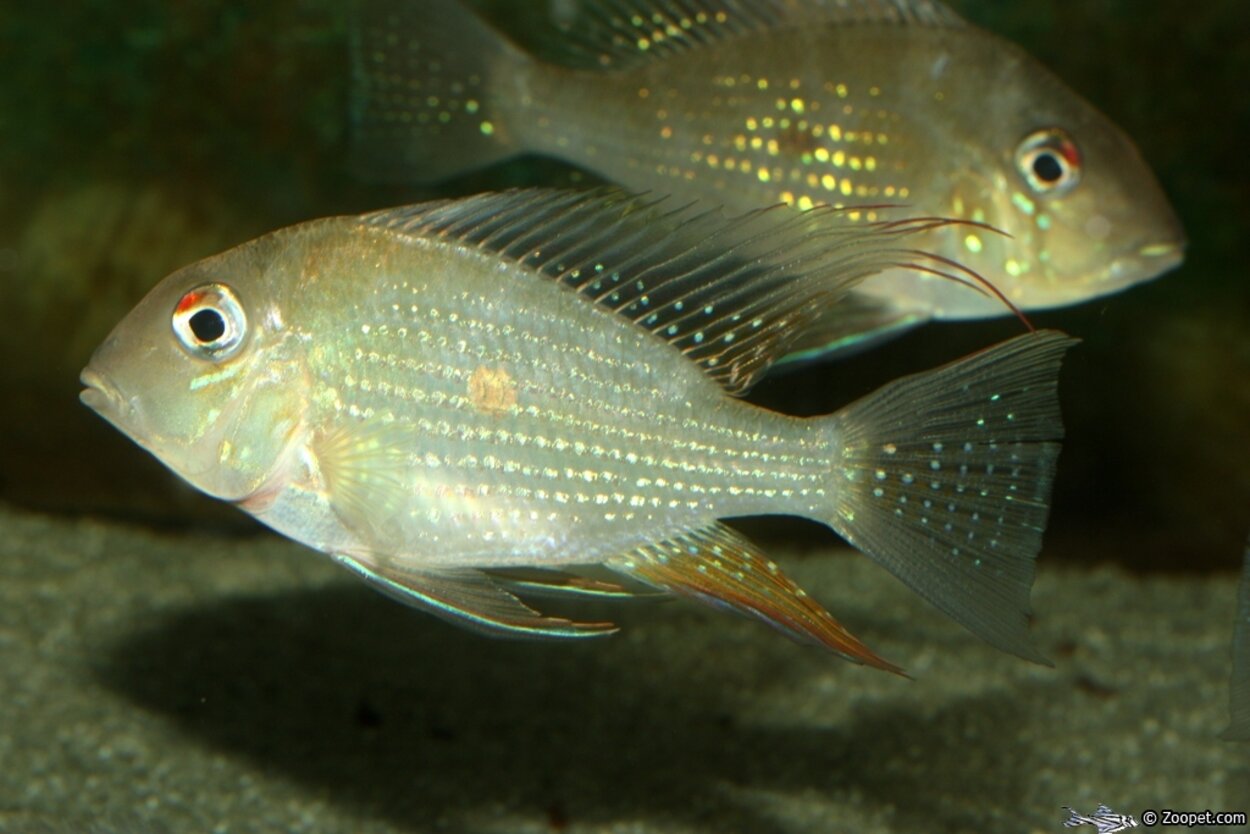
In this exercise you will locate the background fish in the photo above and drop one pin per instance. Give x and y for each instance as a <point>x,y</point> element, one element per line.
<point>796,101</point>
<point>543,379</point>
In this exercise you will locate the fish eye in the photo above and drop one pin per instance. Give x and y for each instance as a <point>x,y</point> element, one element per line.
<point>1049,161</point>
<point>209,322</point>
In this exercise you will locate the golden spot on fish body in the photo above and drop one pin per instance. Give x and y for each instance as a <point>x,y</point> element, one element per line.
<point>492,390</point>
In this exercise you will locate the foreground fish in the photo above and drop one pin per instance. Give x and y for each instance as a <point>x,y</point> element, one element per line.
<point>1239,689</point>
<point>747,104</point>
<point>543,379</point>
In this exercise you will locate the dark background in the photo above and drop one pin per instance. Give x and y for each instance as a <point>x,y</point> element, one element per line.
<point>139,135</point>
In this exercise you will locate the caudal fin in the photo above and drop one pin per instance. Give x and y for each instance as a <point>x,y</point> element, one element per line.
<point>424,81</point>
<point>945,480</point>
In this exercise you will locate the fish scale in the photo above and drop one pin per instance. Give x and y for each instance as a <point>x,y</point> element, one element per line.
<point>440,395</point>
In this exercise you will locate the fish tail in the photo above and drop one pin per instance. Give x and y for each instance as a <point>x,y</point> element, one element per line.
<point>424,101</point>
<point>944,478</point>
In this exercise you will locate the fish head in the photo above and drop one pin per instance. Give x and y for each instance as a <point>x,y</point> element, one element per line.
<point>200,374</point>
<point>1081,211</point>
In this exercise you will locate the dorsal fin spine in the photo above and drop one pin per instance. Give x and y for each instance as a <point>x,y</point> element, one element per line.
<point>731,294</point>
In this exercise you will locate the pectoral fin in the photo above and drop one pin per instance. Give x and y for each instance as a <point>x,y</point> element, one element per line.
<point>718,566</point>
<point>468,598</point>
<point>364,466</point>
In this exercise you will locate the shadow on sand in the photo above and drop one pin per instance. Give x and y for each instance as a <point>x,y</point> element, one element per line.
<point>406,719</point>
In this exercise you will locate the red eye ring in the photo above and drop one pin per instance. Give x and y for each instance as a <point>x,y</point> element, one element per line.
<point>210,322</point>
<point>189,300</point>
<point>1049,162</point>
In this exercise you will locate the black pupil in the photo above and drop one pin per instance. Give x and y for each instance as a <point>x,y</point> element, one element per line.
<point>208,326</point>
<point>1047,168</point>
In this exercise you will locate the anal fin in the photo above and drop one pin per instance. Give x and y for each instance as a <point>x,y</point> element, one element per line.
<point>718,566</point>
<point>468,598</point>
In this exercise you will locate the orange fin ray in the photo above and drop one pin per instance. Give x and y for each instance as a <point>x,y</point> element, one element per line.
<point>716,565</point>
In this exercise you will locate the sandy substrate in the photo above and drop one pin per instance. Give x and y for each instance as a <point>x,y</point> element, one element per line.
<point>153,683</point>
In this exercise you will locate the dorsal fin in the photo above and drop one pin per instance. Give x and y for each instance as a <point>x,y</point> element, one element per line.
<point>620,33</point>
<point>731,294</point>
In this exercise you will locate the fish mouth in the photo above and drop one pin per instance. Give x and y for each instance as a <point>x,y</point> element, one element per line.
<point>1150,261</point>
<point>102,396</point>
<point>1164,255</point>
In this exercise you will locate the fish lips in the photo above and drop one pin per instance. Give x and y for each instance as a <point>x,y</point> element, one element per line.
<point>1149,262</point>
<point>104,398</point>
<point>124,413</point>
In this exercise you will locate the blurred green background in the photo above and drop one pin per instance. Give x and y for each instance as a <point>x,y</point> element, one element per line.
<point>140,135</point>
